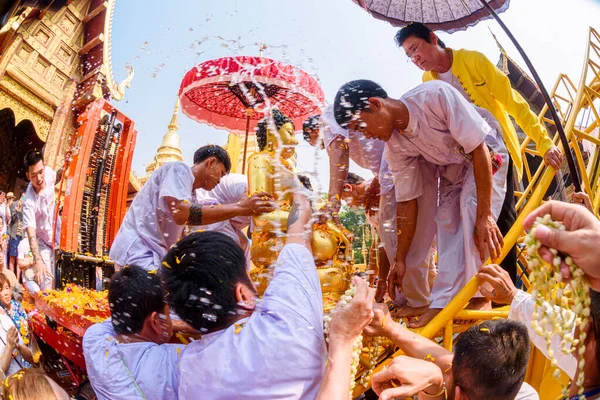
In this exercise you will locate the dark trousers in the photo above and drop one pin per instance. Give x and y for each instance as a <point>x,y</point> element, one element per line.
<point>506,219</point>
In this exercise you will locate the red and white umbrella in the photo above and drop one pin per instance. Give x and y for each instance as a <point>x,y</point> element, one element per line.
<point>234,93</point>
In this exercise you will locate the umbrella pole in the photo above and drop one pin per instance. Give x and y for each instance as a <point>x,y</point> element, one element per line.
<point>248,113</point>
<point>559,127</point>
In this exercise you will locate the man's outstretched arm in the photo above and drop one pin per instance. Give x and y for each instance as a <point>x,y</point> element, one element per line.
<point>299,221</point>
<point>184,212</point>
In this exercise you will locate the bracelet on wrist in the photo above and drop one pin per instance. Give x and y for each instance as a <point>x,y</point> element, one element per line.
<point>443,391</point>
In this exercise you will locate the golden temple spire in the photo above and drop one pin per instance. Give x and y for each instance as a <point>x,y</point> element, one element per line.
<point>169,149</point>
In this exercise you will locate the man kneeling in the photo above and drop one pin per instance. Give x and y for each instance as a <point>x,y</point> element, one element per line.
<point>433,131</point>
<point>127,356</point>
<point>272,348</point>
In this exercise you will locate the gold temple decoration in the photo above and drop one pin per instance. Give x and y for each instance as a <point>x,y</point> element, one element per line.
<point>169,150</point>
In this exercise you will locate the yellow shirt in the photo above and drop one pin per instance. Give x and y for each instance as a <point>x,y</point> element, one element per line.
<point>490,88</point>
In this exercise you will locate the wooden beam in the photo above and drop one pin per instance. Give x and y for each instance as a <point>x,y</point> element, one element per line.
<point>94,13</point>
<point>98,40</point>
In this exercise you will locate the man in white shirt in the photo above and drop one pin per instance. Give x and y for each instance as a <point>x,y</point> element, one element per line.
<point>489,360</point>
<point>433,131</point>
<point>503,291</point>
<point>232,189</point>
<point>344,145</point>
<point>38,215</point>
<point>156,218</point>
<point>271,348</point>
<point>128,356</point>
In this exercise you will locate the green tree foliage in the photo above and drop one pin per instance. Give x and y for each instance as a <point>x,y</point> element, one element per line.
<point>355,220</point>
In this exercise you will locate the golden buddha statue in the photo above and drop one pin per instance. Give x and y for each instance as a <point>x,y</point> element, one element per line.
<point>272,170</point>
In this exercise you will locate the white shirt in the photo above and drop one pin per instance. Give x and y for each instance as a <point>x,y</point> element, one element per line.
<point>527,393</point>
<point>442,125</point>
<point>148,230</point>
<point>521,310</point>
<point>152,366</point>
<point>5,324</point>
<point>449,77</point>
<point>38,209</point>
<point>231,189</point>
<point>279,353</point>
<point>4,214</point>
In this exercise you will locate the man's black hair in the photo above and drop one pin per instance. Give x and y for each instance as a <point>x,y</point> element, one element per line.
<point>134,294</point>
<point>33,157</point>
<point>212,150</point>
<point>354,96</point>
<point>305,181</point>
<point>310,124</point>
<point>261,128</point>
<point>200,274</point>
<point>353,179</point>
<point>490,360</point>
<point>418,30</point>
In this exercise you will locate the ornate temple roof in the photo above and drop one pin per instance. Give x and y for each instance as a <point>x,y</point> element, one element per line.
<point>96,59</point>
<point>169,149</point>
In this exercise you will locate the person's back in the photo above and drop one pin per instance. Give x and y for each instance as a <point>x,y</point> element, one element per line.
<point>110,363</point>
<point>275,349</point>
<point>148,229</point>
<point>127,356</point>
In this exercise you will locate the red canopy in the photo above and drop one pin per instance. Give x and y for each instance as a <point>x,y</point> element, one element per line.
<point>222,92</point>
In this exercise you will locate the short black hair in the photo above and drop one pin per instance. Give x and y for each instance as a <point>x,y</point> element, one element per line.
<point>490,360</point>
<point>212,150</point>
<point>417,30</point>
<point>200,273</point>
<point>134,294</point>
<point>32,157</point>
<point>305,181</point>
<point>354,96</point>
<point>310,124</point>
<point>261,128</point>
<point>353,179</point>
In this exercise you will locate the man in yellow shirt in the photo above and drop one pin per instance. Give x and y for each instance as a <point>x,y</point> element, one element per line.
<point>484,85</point>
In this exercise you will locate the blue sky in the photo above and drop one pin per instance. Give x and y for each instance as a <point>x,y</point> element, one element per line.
<point>334,40</point>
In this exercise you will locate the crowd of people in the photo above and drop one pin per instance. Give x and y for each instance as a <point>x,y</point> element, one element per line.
<point>445,159</point>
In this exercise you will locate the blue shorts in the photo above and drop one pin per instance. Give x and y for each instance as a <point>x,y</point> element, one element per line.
<point>13,245</point>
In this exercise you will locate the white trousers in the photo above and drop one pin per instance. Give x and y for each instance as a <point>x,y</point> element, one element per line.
<point>458,258</point>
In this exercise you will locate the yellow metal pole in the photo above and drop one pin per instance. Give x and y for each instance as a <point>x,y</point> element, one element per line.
<point>448,333</point>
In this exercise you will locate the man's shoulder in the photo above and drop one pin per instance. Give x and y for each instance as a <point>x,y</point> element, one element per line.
<point>469,57</point>
<point>175,167</point>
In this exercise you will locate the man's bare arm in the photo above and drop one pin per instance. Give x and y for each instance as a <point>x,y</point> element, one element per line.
<point>339,160</point>
<point>406,223</point>
<point>184,212</point>
<point>33,244</point>
<point>299,229</point>
<point>487,235</point>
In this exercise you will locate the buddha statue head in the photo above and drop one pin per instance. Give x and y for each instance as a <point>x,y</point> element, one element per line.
<point>277,132</point>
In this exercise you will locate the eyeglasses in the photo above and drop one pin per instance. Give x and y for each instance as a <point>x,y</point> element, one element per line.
<point>413,51</point>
